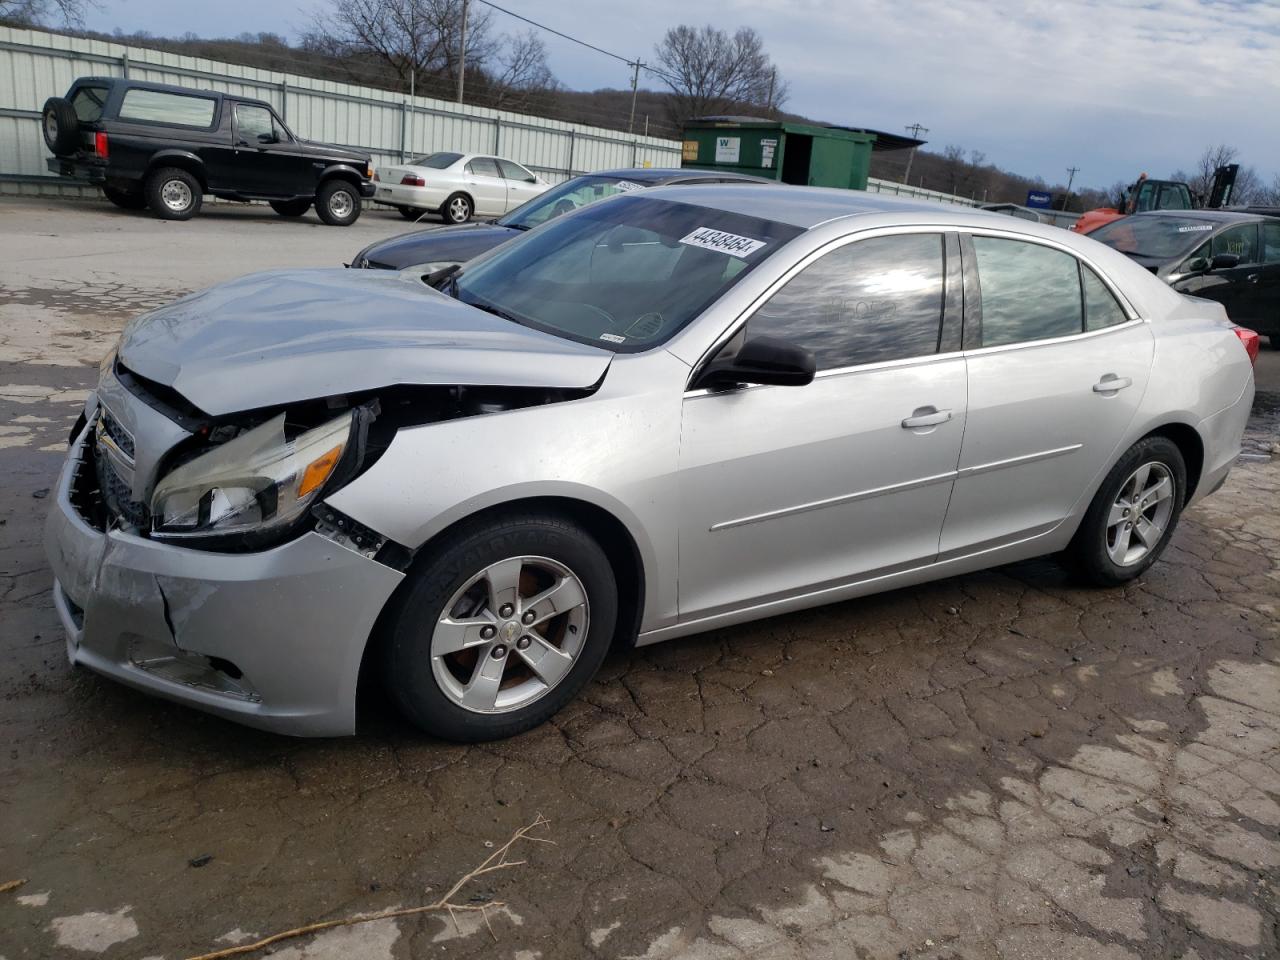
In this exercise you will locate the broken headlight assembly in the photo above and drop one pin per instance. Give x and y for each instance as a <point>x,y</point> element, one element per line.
<point>260,482</point>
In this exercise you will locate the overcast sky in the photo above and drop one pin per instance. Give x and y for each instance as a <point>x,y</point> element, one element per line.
<point>1114,87</point>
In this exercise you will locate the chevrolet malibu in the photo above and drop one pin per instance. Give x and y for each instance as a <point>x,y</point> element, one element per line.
<point>670,411</point>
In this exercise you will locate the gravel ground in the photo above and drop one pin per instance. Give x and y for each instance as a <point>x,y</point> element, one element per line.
<point>997,765</point>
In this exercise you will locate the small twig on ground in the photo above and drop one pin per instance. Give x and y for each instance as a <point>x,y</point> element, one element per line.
<point>495,861</point>
<point>11,885</point>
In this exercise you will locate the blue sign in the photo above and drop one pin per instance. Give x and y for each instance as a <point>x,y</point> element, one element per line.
<point>1039,199</point>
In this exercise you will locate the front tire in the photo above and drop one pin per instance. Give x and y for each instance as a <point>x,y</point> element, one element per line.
<point>1132,516</point>
<point>457,209</point>
<point>173,194</point>
<point>338,203</point>
<point>499,627</point>
<point>290,208</point>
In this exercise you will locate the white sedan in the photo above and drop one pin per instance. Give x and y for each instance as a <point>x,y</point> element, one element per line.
<point>457,186</point>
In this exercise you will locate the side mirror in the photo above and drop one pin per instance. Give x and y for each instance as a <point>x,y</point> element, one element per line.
<point>268,138</point>
<point>1196,265</point>
<point>762,360</point>
<point>1225,261</point>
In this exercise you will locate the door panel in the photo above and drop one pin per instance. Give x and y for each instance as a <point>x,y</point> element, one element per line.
<point>791,488</point>
<point>487,187</point>
<point>1038,432</point>
<point>275,169</point>
<point>520,184</point>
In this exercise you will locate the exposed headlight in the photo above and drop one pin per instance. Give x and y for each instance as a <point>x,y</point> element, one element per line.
<point>257,482</point>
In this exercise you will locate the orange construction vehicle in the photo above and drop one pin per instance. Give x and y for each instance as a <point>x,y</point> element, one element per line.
<point>1149,194</point>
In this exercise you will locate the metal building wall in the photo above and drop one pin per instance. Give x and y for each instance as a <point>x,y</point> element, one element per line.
<point>35,65</point>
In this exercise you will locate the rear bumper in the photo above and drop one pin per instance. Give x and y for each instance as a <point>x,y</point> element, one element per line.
<point>273,640</point>
<point>93,171</point>
<point>399,195</point>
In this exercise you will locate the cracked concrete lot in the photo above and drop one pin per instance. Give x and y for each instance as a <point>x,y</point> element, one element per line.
<point>1001,765</point>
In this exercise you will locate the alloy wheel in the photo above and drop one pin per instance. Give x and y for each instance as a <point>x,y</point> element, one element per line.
<point>510,634</point>
<point>1140,514</point>
<point>459,210</point>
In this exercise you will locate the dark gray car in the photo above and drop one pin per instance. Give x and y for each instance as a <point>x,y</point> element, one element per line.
<point>441,246</point>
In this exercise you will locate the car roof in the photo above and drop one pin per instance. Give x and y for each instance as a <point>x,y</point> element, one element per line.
<point>660,175</point>
<point>167,88</point>
<point>1211,216</point>
<point>805,207</point>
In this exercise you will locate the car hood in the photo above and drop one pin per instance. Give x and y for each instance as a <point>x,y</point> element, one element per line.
<point>280,337</point>
<point>434,245</point>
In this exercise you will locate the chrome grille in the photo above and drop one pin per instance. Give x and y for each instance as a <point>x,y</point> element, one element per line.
<point>118,434</point>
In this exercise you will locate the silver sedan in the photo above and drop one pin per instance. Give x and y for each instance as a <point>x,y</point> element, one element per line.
<point>671,411</point>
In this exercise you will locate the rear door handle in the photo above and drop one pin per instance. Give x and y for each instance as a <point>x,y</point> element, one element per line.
<point>926,417</point>
<point>1110,383</point>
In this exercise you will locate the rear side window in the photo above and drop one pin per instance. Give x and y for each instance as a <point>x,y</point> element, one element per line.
<point>483,167</point>
<point>88,102</point>
<point>1271,241</point>
<point>158,106</point>
<point>1029,292</point>
<point>1101,309</point>
<point>867,302</point>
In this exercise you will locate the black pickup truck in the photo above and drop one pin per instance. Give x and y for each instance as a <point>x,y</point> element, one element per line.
<point>164,147</point>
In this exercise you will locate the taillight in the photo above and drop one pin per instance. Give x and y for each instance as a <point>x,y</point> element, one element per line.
<point>375,176</point>
<point>410,180</point>
<point>100,145</point>
<point>1250,340</point>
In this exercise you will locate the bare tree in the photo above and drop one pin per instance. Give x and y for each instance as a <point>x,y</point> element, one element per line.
<point>953,166</point>
<point>1248,189</point>
<point>519,72</point>
<point>39,12</point>
<point>710,72</point>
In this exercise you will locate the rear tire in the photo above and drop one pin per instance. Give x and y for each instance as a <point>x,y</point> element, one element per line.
<point>457,209</point>
<point>174,194</point>
<point>61,126</point>
<point>458,657</point>
<point>410,213</point>
<point>291,208</point>
<point>338,203</point>
<point>1132,516</point>
<point>125,199</point>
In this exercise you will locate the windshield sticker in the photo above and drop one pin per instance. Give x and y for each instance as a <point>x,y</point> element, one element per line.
<point>1207,226</point>
<point>626,186</point>
<point>613,338</point>
<point>711,239</point>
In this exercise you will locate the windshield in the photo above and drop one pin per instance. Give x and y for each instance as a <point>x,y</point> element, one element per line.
<point>567,197</point>
<point>437,161</point>
<point>1160,238</point>
<point>624,275</point>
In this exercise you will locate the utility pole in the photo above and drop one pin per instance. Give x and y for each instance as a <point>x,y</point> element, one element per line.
<point>462,54</point>
<point>635,82</point>
<point>773,79</point>
<point>915,130</point>
<point>1071,178</point>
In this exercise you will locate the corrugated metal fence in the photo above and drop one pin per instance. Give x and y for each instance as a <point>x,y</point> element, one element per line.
<point>35,65</point>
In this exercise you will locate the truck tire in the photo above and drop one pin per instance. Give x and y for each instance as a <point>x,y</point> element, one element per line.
<point>125,199</point>
<point>290,208</point>
<point>61,126</point>
<point>173,194</point>
<point>338,203</point>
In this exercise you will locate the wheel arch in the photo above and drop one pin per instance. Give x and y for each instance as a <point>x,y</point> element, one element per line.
<point>340,172</point>
<point>181,159</point>
<point>1189,443</point>
<point>606,528</point>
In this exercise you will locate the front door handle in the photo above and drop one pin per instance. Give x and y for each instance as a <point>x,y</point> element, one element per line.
<point>926,417</point>
<point>1110,383</point>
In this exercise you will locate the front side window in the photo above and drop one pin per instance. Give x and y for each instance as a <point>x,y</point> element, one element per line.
<point>483,167</point>
<point>1101,309</point>
<point>88,103</point>
<point>254,122</point>
<point>513,171</point>
<point>624,275</point>
<point>158,106</point>
<point>1029,292</point>
<point>1242,241</point>
<point>867,302</point>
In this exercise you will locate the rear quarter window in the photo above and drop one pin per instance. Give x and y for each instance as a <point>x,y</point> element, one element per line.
<point>158,106</point>
<point>88,102</point>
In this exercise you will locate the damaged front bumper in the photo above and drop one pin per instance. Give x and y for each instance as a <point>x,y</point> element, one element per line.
<point>271,639</point>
